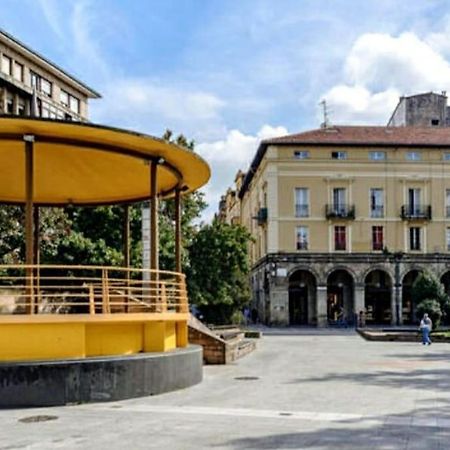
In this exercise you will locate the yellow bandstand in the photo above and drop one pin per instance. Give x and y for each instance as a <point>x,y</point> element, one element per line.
<point>60,313</point>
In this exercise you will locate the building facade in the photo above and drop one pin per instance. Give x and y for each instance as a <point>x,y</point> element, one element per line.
<point>31,85</point>
<point>344,219</point>
<point>423,110</point>
<point>230,204</point>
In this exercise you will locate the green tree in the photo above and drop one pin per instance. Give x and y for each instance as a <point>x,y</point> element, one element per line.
<point>432,308</point>
<point>427,287</point>
<point>218,273</point>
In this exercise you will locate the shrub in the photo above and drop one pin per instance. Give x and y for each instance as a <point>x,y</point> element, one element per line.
<point>432,308</point>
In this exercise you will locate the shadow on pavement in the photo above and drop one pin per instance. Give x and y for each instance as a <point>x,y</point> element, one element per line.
<point>397,431</point>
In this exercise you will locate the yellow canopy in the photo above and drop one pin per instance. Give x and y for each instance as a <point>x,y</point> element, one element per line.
<point>85,164</point>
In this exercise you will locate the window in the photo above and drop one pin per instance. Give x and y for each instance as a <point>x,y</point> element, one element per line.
<point>448,239</point>
<point>414,206</point>
<point>48,110</point>
<point>34,77</point>
<point>301,202</point>
<point>377,156</point>
<point>339,238</point>
<point>377,238</point>
<point>64,98</point>
<point>302,238</point>
<point>302,154</point>
<point>413,156</point>
<point>339,206</point>
<point>447,202</point>
<point>9,104</point>
<point>446,156</point>
<point>21,107</point>
<point>74,104</point>
<point>6,65</point>
<point>376,202</point>
<point>435,122</point>
<point>414,238</point>
<point>46,87</point>
<point>339,155</point>
<point>18,71</point>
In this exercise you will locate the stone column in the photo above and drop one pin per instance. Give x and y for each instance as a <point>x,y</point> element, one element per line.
<point>321,306</point>
<point>397,304</point>
<point>279,306</point>
<point>360,299</point>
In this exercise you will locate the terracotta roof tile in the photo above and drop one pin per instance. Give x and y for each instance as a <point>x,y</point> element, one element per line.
<point>355,135</point>
<point>360,135</point>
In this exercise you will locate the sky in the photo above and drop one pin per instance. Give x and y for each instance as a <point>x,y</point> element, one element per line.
<point>230,73</point>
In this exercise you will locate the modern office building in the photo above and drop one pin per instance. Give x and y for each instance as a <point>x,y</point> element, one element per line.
<point>31,85</point>
<point>344,219</point>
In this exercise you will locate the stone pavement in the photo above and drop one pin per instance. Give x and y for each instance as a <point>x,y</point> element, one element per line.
<point>301,389</point>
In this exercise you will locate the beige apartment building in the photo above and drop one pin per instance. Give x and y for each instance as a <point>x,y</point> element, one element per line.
<point>31,85</point>
<point>344,220</point>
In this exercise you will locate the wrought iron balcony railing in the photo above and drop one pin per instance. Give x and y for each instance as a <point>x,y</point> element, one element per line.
<point>416,212</point>
<point>340,211</point>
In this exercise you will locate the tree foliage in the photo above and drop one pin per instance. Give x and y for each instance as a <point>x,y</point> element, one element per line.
<point>426,288</point>
<point>218,274</point>
<point>432,308</point>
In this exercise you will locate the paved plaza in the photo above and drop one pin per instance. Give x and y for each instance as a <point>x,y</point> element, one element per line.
<point>300,389</point>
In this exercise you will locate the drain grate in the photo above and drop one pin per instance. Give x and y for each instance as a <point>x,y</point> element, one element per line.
<point>285,414</point>
<point>246,378</point>
<point>41,418</point>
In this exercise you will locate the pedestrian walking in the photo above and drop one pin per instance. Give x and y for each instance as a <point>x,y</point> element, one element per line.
<point>425,327</point>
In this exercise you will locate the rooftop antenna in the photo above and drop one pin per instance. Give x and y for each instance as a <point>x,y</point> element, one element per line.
<point>326,122</point>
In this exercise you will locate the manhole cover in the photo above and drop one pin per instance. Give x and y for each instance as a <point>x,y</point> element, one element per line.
<point>285,414</point>
<point>246,378</point>
<point>42,418</point>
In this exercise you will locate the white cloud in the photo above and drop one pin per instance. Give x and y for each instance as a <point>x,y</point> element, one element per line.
<point>380,68</point>
<point>358,106</point>
<point>151,106</point>
<point>229,155</point>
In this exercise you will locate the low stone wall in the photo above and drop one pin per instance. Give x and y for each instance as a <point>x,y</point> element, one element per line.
<point>397,336</point>
<point>55,383</point>
<point>216,349</point>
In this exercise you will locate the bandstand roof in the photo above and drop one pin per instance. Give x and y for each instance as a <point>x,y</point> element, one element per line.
<point>86,164</point>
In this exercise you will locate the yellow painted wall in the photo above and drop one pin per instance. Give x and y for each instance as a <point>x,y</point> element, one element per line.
<point>280,173</point>
<point>114,339</point>
<point>23,338</point>
<point>41,341</point>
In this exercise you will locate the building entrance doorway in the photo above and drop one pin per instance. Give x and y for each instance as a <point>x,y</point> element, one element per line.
<point>302,298</point>
<point>298,306</point>
<point>378,287</point>
<point>340,304</point>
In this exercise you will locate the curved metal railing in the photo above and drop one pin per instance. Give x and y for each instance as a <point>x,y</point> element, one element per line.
<point>58,289</point>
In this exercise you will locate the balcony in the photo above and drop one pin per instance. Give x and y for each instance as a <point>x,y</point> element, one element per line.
<point>340,212</point>
<point>416,212</point>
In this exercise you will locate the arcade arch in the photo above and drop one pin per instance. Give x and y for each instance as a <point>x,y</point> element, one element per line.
<point>340,297</point>
<point>302,298</point>
<point>378,297</point>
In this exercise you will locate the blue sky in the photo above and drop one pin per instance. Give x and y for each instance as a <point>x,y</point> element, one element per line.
<point>228,73</point>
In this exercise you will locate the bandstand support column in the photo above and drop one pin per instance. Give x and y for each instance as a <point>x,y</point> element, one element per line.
<point>154,244</point>
<point>126,236</point>
<point>126,249</point>
<point>36,253</point>
<point>29,247</point>
<point>177,231</point>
